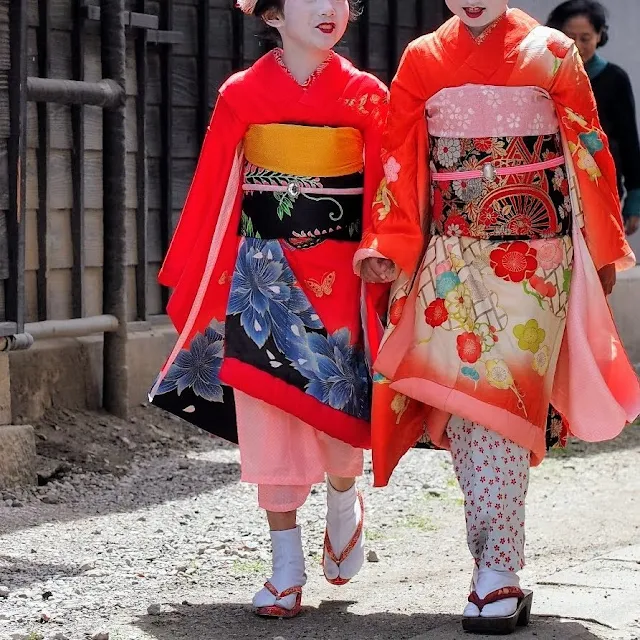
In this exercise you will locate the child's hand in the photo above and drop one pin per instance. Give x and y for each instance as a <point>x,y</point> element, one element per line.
<point>377,270</point>
<point>608,278</point>
<point>632,225</point>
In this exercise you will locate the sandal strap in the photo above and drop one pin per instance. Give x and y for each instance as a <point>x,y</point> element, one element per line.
<point>495,596</point>
<point>278,596</point>
<point>352,543</point>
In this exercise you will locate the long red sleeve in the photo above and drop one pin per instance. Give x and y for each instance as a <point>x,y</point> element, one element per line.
<point>202,207</point>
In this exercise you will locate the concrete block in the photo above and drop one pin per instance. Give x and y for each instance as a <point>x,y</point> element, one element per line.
<point>600,574</point>
<point>626,554</point>
<point>54,373</point>
<point>5,390</point>
<point>613,608</point>
<point>17,456</point>
<point>68,372</point>
<point>147,351</point>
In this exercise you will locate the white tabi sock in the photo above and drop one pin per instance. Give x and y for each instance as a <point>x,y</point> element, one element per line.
<point>485,582</point>
<point>288,569</point>
<point>343,517</point>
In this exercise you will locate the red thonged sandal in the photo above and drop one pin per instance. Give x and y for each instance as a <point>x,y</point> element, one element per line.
<point>328,549</point>
<point>275,611</point>
<point>500,626</point>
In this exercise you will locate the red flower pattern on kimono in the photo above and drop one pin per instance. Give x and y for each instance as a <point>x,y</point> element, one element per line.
<point>484,144</point>
<point>469,347</point>
<point>521,225</point>
<point>557,46</point>
<point>514,261</point>
<point>456,226</point>
<point>545,289</point>
<point>436,313</point>
<point>488,216</point>
<point>395,312</point>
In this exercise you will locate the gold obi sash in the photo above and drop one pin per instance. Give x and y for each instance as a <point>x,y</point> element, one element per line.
<point>298,150</point>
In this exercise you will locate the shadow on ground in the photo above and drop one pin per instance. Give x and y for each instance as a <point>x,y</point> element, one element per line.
<point>168,484</point>
<point>20,573</point>
<point>330,621</point>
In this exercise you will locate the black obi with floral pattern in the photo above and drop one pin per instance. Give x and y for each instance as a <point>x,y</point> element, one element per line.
<point>522,206</point>
<point>301,213</point>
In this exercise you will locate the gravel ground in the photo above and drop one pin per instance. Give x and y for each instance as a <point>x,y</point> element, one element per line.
<point>140,530</point>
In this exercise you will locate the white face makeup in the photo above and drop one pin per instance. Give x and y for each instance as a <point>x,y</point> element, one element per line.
<point>316,24</point>
<point>478,14</point>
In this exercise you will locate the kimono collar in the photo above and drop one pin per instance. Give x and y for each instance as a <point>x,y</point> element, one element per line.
<point>487,32</point>
<point>489,58</point>
<point>595,66</point>
<point>279,56</point>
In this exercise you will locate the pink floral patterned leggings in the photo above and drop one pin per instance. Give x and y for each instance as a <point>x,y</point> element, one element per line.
<point>494,476</point>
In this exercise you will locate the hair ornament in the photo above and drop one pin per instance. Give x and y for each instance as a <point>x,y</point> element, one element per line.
<point>247,6</point>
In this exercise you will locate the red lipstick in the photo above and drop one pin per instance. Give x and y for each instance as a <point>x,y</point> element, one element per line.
<point>474,12</point>
<point>327,27</point>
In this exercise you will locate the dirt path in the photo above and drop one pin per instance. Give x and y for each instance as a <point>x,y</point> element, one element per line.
<point>163,542</point>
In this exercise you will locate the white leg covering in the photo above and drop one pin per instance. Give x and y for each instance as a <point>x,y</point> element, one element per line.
<point>288,569</point>
<point>343,518</point>
<point>494,476</point>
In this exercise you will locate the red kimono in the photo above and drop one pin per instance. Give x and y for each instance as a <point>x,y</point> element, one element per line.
<point>498,206</point>
<point>266,304</point>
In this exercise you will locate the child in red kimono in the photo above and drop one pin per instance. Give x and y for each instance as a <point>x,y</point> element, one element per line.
<point>500,223</point>
<point>272,352</point>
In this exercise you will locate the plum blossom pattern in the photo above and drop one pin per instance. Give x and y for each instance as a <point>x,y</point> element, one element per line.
<point>391,170</point>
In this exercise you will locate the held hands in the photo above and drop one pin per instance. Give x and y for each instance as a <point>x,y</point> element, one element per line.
<point>377,270</point>
<point>608,278</point>
<point>632,224</point>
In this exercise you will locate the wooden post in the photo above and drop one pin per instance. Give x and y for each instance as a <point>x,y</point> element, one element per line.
<point>166,115</point>
<point>142,172</point>
<point>116,385</point>
<point>44,143</point>
<point>77,169</point>
<point>204,28</point>
<point>17,153</point>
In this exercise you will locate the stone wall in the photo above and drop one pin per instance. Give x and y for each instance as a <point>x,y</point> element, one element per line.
<point>17,442</point>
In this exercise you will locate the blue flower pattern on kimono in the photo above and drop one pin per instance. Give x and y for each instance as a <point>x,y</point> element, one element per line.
<point>271,303</point>
<point>341,378</point>
<point>265,293</point>
<point>198,367</point>
<point>446,282</point>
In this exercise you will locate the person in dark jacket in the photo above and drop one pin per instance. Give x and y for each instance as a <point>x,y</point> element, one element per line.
<point>585,21</point>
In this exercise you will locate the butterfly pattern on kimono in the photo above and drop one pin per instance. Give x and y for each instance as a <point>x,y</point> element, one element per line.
<point>324,288</point>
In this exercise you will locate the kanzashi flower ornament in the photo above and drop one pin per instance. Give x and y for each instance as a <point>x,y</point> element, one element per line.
<point>247,6</point>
